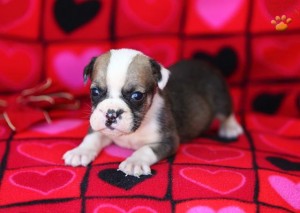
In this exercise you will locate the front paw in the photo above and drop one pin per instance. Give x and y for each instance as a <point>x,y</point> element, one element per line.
<point>79,157</point>
<point>134,167</point>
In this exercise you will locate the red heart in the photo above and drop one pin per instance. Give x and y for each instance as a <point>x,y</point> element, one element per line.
<point>17,68</point>
<point>13,11</point>
<point>211,153</point>
<point>279,7</point>
<point>219,181</point>
<point>288,146</point>
<point>50,154</point>
<point>271,124</point>
<point>152,14</point>
<point>282,56</point>
<point>43,182</point>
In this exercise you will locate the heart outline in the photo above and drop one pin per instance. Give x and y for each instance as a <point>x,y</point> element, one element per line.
<point>207,209</point>
<point>19,150</point>
<point>265,139</point>
<point>241,154</point>
<point>280,130</point>
<point>243,180</point>
<point>122,210</point>
<point>12,181</point>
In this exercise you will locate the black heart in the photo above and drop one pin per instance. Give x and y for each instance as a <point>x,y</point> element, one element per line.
<point>119,179</point>
<point>70,15</point>
<point>226,60</point>
<point>267,103</point>
<point>284,164</point>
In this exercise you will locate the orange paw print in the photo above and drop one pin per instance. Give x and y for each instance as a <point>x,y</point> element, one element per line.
<point>281,23</point>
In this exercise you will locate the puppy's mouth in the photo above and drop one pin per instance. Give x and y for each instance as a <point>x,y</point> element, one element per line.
<point>109,125</point>
<point>109,130</point>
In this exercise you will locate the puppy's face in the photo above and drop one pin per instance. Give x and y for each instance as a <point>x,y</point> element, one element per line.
<point>124,83</point>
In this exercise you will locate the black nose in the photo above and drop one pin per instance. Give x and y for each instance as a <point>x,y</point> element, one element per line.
<point>112,116</point>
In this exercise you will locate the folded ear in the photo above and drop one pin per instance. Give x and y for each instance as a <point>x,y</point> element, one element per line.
<point>160,73</point>
<point>88,70</point>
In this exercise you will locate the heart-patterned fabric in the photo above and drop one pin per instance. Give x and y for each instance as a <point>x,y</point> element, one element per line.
<point>258,172</point>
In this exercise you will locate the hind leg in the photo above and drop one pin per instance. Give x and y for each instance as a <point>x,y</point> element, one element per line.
<point>229,128</point>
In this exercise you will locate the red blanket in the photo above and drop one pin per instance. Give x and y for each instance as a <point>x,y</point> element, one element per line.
<point>258,172</point>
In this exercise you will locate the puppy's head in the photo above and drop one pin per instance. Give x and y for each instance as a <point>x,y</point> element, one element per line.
<point>124,83</point>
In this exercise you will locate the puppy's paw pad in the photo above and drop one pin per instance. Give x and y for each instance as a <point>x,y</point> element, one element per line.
<point>79,157</point>
<point>135,168</point>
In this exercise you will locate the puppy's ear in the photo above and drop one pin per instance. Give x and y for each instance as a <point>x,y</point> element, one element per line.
<point>88,70</point>
<point>160,74</point>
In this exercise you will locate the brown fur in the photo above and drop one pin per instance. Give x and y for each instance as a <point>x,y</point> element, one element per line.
<point>100,69</point>
<point>139,74</point>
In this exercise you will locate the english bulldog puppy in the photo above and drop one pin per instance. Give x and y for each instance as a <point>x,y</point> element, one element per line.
<point>139,104</point>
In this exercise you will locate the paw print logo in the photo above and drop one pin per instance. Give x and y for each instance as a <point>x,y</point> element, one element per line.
<point>281,23</point>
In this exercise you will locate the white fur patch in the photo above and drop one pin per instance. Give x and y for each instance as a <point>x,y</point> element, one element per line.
<point>230,128</point>
<point>117,70</point>
<point>164,77</point>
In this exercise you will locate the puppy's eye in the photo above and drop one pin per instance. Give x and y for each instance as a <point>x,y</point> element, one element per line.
<point>96,92</point>
<point>137,96</point>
